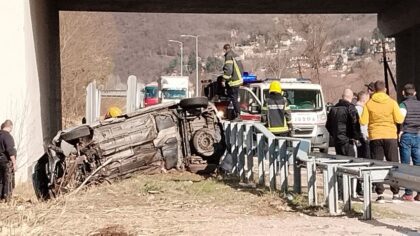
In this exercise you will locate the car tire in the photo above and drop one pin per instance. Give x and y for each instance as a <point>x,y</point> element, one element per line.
<point>40,179</point>
<point>79,132</point>
<point>204,142</point>
<point>197,102</point>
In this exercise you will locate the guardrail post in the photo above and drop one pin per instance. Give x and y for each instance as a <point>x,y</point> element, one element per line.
<point>333,190</point>
<point>131,93</point>
<point>234,147</point>
<point>311,176</point>
<point>282,156</point>
<point>353,187</point>
<point>297,178</point>
<point>325,180</point>
<point>249,176</point>
<point>241,152</point>
<point>93,103</point>
<point>367,196</point>
<point>272,162</point>
<point>261,155</point>
<point>347,192</point>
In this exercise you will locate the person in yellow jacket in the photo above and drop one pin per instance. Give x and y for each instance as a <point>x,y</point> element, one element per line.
<point>382,114</point>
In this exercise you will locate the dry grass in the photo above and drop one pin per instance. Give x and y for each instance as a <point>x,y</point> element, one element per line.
<point>159,204</point>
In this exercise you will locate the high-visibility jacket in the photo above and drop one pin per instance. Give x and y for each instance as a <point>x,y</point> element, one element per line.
<point>233,69</point>
<point>278,113</point>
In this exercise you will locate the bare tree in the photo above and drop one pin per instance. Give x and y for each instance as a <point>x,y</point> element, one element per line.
<point>86,44</point>
<point>316,30</point>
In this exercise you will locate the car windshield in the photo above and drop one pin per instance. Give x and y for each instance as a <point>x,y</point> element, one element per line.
<point>174,93</point>
<point>151,92</point>
<point>302,99</point>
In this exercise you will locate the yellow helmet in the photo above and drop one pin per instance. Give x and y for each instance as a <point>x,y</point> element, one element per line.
<point>275,87</point>
<point>113,112</point>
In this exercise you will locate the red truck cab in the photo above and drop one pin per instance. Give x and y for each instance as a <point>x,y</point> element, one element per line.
<point>151,95</point>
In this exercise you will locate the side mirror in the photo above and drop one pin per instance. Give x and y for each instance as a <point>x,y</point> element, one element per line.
<point>255,108</point>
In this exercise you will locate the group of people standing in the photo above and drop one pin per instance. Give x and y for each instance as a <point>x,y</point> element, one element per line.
<point>376,127</point>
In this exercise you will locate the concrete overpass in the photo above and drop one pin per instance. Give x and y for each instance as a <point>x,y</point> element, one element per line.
<point>30,55</point>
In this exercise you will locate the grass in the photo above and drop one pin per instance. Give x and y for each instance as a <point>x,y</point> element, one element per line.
<point>138,205</point>
<point>156,204</point>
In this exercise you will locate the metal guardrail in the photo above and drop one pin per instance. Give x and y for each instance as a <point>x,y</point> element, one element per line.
<point>248,140</point>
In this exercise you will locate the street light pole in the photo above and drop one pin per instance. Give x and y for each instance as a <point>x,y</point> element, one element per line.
<point>181,44</point>
<point>196,61</point>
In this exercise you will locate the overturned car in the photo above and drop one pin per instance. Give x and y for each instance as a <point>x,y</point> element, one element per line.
<point>186,135</point>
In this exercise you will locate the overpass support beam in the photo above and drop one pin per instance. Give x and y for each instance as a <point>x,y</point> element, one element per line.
<point>44,24</point>
<point>408,58</point>
<point>399,17</point>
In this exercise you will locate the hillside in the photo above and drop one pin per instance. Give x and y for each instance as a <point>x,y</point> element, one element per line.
<point>108,47</point>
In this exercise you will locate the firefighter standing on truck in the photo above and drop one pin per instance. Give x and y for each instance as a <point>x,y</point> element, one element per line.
<point>232,74</point>
<point>278,114</point>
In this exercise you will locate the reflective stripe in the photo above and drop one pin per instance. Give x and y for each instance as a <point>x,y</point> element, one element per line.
<point>276,107</point>
<point>235,83</point>
<point>278,129</point>
<point>238,81</point>
<point>229,62</point>
<point>227,76</point>
<point>238,72</point>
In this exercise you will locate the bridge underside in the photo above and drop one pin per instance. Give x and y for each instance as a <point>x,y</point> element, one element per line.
<point>32,56</point>
<point>232,6</point>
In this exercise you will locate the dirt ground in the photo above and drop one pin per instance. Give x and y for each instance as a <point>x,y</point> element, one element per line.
<point>187,204</point>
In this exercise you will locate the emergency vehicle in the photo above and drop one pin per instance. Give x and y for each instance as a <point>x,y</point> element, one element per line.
<point>305,99</point>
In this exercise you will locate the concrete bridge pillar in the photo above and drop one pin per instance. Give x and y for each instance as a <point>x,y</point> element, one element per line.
<point>408,58</point>
<point>30,78</point>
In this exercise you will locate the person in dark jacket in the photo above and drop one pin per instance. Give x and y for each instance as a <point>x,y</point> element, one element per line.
<point>410,133</point>
<point>232,74</point>
<point>7,160</point>
<point>277,110</point>
<point>343,125</point>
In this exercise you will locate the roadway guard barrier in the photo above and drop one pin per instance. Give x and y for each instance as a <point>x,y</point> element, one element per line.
<point>246,140</point>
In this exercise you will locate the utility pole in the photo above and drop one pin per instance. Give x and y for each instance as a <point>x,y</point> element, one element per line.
<point>181,44</point>
<point>196,61</point>
<point>380,46</point>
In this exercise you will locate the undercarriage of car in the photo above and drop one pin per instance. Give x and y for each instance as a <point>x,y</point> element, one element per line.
<point>184,136</point>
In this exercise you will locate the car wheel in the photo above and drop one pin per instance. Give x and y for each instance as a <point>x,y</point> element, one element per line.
<point>79,132</point>
<point>40,179</point>
<point>197,102</point>
<point>203,142</point>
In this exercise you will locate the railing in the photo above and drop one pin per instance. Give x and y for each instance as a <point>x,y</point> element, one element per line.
<point>248,140</point>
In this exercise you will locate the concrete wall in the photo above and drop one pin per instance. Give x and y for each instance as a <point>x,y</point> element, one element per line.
<point>28,46</point>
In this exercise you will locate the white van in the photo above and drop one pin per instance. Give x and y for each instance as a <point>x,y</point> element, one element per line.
<point>306,101</point>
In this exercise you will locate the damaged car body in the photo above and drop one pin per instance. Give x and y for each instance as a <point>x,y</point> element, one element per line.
<point>187,135</point>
